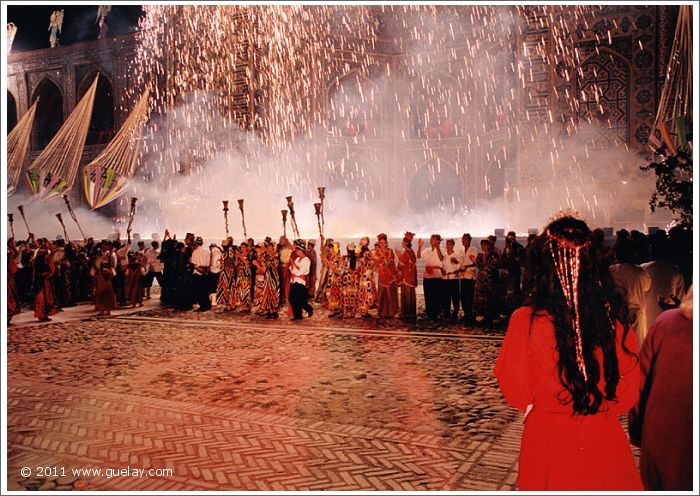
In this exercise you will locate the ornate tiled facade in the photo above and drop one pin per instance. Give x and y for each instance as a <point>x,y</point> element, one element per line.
<point>615,86</point>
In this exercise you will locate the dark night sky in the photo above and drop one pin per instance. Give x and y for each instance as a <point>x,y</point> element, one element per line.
<point>78,23</point>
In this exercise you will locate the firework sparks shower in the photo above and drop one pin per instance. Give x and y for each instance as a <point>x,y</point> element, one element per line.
<point>428,110</point>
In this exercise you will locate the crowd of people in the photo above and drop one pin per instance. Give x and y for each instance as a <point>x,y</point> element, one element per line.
<point>588,333</point>
<point>481,285</point>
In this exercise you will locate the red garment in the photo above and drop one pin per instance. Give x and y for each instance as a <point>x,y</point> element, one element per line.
<point>13,304</point>
<point>286,281</point>
<point>45,303</point>
<point>562,451</point>
<point>105,299</point>
<point>386,267</point>
<point>133,289</point>
<point>409,272</point>
<point>664,414</point>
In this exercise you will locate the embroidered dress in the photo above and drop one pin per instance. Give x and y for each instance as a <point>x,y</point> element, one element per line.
<point>367,292</point>
<point>335,282</point>
<point>269,300</point>
<point>388,296</point>
<point>225,289</point>
<point>350,286</point>
<point>408,281</point>
<point>243,282</point>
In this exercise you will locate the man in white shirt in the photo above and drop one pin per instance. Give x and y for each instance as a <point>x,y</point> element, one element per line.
<point>298,295</point>
<point>200,281</point>
<point>467,276</point>
<point>432,276</point>
<point>214,271</point>
<point>451,267</point>
<point>155,268</point>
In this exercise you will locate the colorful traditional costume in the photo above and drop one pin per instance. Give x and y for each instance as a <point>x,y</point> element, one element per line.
<point>367,290</point>
<point>225,289</point>
<point>269,300</point>
<point>388,296</point>
<point>43,272</point>
<point>408,279</point>
<point>243,283</point>
<point>133,285</point>
<point>350,283</point>
<point>104,271</point>
<point>335,283</point>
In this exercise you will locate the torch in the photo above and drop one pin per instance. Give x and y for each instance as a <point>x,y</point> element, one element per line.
<point>317,206</point>
<point>290,204</point>
<point>72,215</point>
<point>226,216</point>
<point>284,222</point>
<point>11,219</point>
<point>240,207</point>
<point>132,211</point>
<point>65,233</point>
<point>322,196</point>
<point>21,212</point>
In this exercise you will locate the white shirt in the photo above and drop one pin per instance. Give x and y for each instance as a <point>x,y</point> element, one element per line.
<point>300,267</point>
<point>468,267</point>
<point>123,255</point>
<point>215,260</point>
<point>451,268</point>
<point>200,258</point>
<point>431,258</point>
<point>154,265</point>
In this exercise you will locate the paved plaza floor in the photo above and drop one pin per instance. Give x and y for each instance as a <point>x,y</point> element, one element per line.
<point>227,402</point>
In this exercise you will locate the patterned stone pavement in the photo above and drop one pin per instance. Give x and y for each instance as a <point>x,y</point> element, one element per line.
<point>243,403</point>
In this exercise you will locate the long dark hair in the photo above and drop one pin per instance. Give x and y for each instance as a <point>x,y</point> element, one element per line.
<point>352,258</point>
<point>600,306</point>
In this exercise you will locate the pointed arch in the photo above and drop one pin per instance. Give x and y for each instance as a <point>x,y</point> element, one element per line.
<point>102,122</point>
<point>436,110</point>
<point>435,184</point>
<point>49,113</point>
<point>353,106</point>
<point>11,111</point>
<point>603,99</point>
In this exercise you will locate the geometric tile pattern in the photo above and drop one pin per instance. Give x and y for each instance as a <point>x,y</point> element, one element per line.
<point>219,448</point>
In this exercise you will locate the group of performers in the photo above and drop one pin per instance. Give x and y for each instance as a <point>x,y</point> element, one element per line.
<point>360,281</point>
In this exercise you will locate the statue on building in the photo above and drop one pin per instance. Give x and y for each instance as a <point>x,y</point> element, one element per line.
<point>11,32</point>
<point>55,26</point>
<point>102,12</point>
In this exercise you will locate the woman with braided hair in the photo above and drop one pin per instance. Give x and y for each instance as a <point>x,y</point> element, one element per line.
<point>569,362</point>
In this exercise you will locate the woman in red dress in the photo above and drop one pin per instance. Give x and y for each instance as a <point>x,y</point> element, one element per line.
<point>13,304</point>
<point>44,271</point>
<point>133,286</point>
<point>569,362</point>
<point>104,272</point>
<point>388,296</point>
